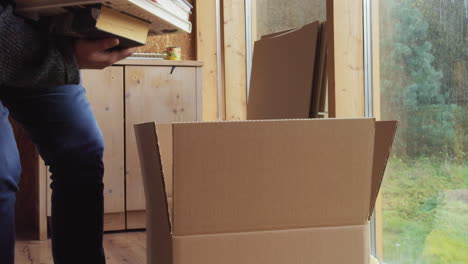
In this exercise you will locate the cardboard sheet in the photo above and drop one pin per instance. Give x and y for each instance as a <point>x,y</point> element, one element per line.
<point>282,74</point>
<point>244,176</point>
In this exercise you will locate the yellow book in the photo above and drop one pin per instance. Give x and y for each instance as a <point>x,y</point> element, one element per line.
<point>99,23</point>
<point>131,31</point>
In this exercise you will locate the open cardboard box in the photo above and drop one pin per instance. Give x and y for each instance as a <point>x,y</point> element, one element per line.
<point>262,192</point>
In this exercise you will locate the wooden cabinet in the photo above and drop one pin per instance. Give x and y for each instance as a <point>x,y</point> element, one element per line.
<point>105,90</point>
<point>131,92</point>
<point>168,94</point>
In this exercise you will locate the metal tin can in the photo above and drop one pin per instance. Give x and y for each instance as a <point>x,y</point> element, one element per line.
<point>174,53</point>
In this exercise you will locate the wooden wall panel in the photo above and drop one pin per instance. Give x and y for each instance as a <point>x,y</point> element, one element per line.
<point>42,202</point>
<point>168,94</point>
<point>345,58</point>
<point>105,92</point>
<point>207,51</point>
<point>235,75</point>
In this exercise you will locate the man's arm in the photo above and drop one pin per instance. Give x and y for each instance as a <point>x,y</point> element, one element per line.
<point>31,58</point>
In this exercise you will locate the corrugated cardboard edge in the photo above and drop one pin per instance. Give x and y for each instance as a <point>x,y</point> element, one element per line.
<point>159,239</point>
<point>344,244</point>
<point>384,135</point>
<point>276,34</point>
<point>320,71</point>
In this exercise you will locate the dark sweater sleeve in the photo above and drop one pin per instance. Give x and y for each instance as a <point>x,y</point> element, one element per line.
<point>32,58</point>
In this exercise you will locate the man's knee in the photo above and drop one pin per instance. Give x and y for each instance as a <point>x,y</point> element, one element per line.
<point>10,171</point>
<point>81,153</point>
<point>10,166</point>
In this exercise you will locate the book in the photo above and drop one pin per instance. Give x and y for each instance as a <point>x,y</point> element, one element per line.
<point>161,21</point>
<point>99,23</point>
<point>147,10</point>
<point>184,4</point>
<point>174,8</point>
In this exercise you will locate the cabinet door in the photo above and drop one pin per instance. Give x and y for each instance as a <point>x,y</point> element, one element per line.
<point>153,93</point>
<point>105,92</point>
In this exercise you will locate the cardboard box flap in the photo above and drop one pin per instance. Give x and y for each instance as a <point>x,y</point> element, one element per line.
<point>271,175</point>
<point>335,245</point>
<point>384,135</point>
<point>289,57</point>
<point>155,192</point>
<point>164,136</point>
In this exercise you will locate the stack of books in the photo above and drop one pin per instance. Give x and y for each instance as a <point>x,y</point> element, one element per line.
<point>129,20</point>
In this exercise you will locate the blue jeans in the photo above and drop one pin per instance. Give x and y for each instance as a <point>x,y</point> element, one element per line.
<point>61,123</point>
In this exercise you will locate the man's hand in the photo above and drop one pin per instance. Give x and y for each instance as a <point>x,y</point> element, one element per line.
<point>94,54</point>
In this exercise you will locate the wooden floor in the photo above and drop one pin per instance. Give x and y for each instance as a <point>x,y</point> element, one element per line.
<point>121,248</point>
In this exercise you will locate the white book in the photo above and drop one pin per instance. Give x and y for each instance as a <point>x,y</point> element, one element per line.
<point>173,8</point>
<point>162,20</point>
<point>184,4</point>
<point>146,9</point>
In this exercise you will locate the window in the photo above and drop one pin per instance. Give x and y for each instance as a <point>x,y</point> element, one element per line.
<point>278,15</point>
<point>420,72</point>
<point>423,46</point>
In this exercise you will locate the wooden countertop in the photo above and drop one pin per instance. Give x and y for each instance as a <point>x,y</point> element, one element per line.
<point>156,62</point>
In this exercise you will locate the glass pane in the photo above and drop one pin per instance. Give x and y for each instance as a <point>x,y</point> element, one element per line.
<point>423,72</point>
<point>272,16</point>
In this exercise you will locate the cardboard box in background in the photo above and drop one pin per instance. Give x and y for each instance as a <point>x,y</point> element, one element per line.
<point>262,192</point>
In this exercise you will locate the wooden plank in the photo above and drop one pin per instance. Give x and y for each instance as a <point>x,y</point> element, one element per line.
<point>121,248</point>
<point>105,92</point>
<point>254,30</point>
<point>125,248</point>
<point>48,193</point>
<point>234,59</point>
<point>154,94</point>
<point>136,219</point>
<point>42,189</point>
<point>27,251</point>
<point>156,62</point>
<point>114,221</point>
<point>346,58</point>
<point>207,51</point>
<point>199,72</point>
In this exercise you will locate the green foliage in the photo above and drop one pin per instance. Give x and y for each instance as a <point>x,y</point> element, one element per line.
<point>443,247</point>
<point>414,90</point>
<point>448,32</point>
<point>424,55</point>
<point>448,241</point>
<point>420,209</point>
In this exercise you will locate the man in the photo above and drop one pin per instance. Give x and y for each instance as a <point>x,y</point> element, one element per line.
<point>40,88</point>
